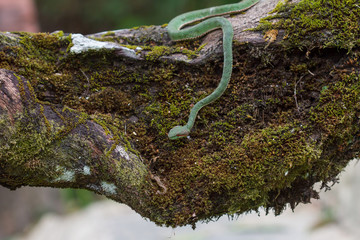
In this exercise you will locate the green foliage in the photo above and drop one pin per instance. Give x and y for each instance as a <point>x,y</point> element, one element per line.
<point>77,198</point>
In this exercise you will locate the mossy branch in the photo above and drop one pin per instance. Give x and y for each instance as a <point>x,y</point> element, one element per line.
<point>93,112</point>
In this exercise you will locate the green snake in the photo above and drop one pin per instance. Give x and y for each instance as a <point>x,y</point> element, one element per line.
<point>210,23</point>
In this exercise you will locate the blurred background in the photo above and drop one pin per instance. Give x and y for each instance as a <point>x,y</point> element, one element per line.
<point>91,16</point>
<point>44,213</point>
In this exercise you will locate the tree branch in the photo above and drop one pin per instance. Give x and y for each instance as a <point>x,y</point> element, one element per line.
<point>93,112</point>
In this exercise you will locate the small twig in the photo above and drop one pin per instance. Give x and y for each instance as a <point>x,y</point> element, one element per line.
<point>295,97</point>
<point>158,181</point>
<point>311,73</point>
<point>87,78</point>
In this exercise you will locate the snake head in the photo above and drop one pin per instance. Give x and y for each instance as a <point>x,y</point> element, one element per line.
<point>178,132</point>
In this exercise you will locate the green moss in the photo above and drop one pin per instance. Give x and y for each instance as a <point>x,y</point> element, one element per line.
<point>24,147</point>
<point>46,121</point>
<point>156,52</point>
<point>143,27</point>
<point>315,23</point>
<point>339,103</point>
<point>134,47</point>
<point>280,6</point>
<point>268,159</point>
<point>109,33</point>
<point>300,68</point>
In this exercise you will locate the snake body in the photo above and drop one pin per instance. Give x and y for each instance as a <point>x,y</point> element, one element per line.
<point>211,21</point>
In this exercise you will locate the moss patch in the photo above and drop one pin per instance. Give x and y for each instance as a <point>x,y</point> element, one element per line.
<point>316,23</point>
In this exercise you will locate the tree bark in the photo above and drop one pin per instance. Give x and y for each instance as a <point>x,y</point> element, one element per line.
<point>93,112</point>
